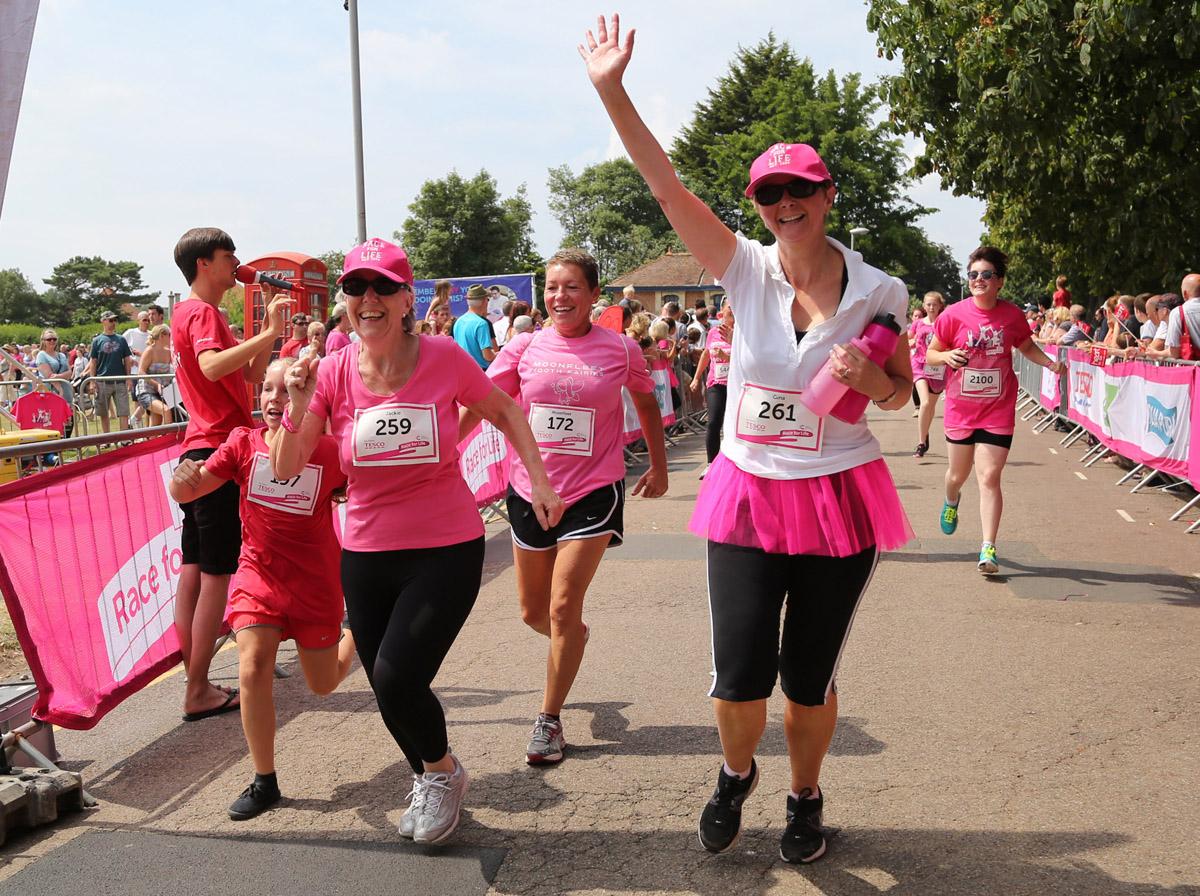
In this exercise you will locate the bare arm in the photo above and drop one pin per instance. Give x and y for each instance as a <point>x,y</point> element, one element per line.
<point>192,480</point>
<point>291,450</point>
<point>701,367</point>
<point>498,408</point>
<point>251,356</point>
<point>702,232</point>
<point>1031,351</point>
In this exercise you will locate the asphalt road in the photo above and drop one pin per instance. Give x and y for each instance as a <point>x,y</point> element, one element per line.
<point>1035,733</point>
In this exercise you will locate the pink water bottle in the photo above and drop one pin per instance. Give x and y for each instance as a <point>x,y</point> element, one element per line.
<point>827,395</point>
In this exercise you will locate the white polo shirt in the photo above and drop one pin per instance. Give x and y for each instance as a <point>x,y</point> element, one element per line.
<point>765,356</point>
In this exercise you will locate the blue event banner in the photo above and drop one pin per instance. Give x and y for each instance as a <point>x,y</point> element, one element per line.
<point>500,287</point>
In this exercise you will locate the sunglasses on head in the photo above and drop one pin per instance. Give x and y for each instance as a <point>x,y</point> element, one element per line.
<point>984,275</point>
<point>769,194</point>
<point>383,286</point>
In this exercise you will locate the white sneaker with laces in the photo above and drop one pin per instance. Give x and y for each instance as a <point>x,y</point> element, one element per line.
<point>408,821</point>
<point>442,796</point>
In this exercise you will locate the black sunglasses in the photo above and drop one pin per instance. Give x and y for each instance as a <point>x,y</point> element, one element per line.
<point>986,275</point>
<point>769,194</point>
<point>50,339</point>
<point>383,286</point>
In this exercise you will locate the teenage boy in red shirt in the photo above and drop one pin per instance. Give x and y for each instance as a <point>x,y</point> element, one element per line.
<point>212,370</point>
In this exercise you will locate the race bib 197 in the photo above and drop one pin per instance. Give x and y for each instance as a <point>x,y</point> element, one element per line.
<point>559,429</point>
<point>982,383</point>
<point>297,494</point>
<point>393,435</point>
<point>776,417</point>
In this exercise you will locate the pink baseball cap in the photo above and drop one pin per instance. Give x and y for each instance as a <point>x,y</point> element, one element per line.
<point>381,257</point>
<point>797,159</point>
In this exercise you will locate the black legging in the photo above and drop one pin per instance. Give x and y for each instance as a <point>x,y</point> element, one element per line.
<point>406,608</point>
<point>715,399</point>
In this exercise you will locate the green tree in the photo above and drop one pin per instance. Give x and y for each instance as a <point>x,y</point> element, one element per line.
<point>334,260</point>
<point>768,96</point>
<point>1072,119</point>
<point>462,228</point>
<point>94,285</point>
<point>608,210</point>
<point>19,299</point>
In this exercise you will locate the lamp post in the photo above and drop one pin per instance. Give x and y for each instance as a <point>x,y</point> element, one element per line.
<point>356,90</point>
<point>857,231</point>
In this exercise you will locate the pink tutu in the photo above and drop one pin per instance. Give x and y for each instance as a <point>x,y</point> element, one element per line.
<point>832,516</point>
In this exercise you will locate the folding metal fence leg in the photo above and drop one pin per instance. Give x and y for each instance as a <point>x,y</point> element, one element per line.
<point>44,762</point>
<point>1130,474</point>
<point>1192,528</point>
<point>1073,437</point>
<point>1154,474</point>
<point>1185,508</point>
<point>1042,425</point>
<point>1169,485</point>
<point>1103,451</point>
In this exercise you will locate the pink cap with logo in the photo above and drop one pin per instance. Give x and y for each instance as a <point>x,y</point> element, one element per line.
<point>381,257</point>
<point>795,159</point>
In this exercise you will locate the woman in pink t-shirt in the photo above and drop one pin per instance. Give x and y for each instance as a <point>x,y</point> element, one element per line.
<point>713,370</point>
<point>412,545</point>
<point>929,379</point>
<point>976,338</point>
<point>570,381</point>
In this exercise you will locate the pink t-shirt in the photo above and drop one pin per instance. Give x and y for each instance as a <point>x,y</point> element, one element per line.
<point>42,410</point>
<point>400,451</point>
<point>718,367</point>
<point>336,341</point>
<point>289,558</point>
<point>920,335</point>
<point>982,395</point>
<point>570,390</point>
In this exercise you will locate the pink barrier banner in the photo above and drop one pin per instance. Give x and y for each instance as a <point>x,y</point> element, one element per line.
<point>662,394</point>
<point>1086,393</point>
<point>1050,394</point>
<point>89,559</point>
<point>633,425</point>
<point>483,457</point>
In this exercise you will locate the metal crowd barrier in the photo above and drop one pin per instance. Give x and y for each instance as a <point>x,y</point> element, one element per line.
<point>1029,383</point>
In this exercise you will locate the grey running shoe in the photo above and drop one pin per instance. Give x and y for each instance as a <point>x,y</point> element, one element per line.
<point>546,743</point>
<point>408,821</point>
<point>442,796</point>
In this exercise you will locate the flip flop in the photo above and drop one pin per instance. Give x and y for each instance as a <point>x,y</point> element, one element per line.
<point>227,706</point>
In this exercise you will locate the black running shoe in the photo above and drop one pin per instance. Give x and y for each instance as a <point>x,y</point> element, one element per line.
<point>721,820</point>
<point>803,838</point>
<point>255,800</point>
<point>921,449</point>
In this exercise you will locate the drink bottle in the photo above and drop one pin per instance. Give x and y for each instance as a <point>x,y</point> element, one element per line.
<point>827,395</point>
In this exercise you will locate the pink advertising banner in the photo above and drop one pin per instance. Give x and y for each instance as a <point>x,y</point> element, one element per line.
<point>89,559</point>
<point>483,457</point>
<point>1050,393</point>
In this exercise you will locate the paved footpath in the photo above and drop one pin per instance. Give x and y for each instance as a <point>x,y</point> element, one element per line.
<point>1038,733</point>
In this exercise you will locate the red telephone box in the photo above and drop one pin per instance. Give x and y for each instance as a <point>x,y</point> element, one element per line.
<point>307,274</point>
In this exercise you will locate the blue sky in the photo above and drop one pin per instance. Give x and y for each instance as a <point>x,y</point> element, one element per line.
<point>142,119</point>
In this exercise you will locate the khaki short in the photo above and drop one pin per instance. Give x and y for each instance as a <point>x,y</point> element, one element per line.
<point>115,390</point>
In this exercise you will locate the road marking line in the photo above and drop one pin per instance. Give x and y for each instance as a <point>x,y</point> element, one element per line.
<point>1123,515</point>
<point>1054,451</point>
<point>1080,475</point>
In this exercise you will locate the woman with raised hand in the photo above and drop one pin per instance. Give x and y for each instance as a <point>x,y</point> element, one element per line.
<point>796,508</point>
<point>412,546</point>
<point>569,381</point>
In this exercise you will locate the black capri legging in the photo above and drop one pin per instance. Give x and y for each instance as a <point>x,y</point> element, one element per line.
<point>746,592</point>
<point>406,608</point>
<point>715,399</point>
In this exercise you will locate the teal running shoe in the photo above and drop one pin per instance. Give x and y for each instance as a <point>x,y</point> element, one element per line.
<point>949,517</point>
<point>987,560</point>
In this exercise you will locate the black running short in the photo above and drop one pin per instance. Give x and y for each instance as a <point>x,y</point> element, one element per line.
<point>601,512</point>
<point>984,437</point>
<point>212,526</point>
<point>818,596</point>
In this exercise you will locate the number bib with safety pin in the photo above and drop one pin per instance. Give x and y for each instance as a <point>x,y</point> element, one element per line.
<point>559,429</point>
<point>393,435</point>
<point>935,371</point>
<point>721,370</point>
<point>297,494</point>
<point>776,417</point>
<point>981,382</point>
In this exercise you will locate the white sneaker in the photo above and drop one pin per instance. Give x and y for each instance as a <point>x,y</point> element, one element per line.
<point>442,796</point>
<point>408,821</point>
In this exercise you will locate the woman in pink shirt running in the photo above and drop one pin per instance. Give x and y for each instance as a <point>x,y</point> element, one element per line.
<point>928,379</point>
<point>569,381</point>
<point>975,339</point>
<point>412,547</point>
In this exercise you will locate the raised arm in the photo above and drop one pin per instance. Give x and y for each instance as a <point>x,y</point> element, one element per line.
<point>702,232</point>
<point>293,447</point>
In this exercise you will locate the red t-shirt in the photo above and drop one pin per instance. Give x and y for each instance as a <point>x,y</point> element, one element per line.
<point>1062,298</point>
<point>290,553</point>
<point>291,348</point>
<point>42,410</point>
<point>214,409</point>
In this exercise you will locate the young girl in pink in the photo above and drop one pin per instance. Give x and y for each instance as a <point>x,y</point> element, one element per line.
<point>975,338</point>
<point>286,585</point>
<point>928,379</point>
